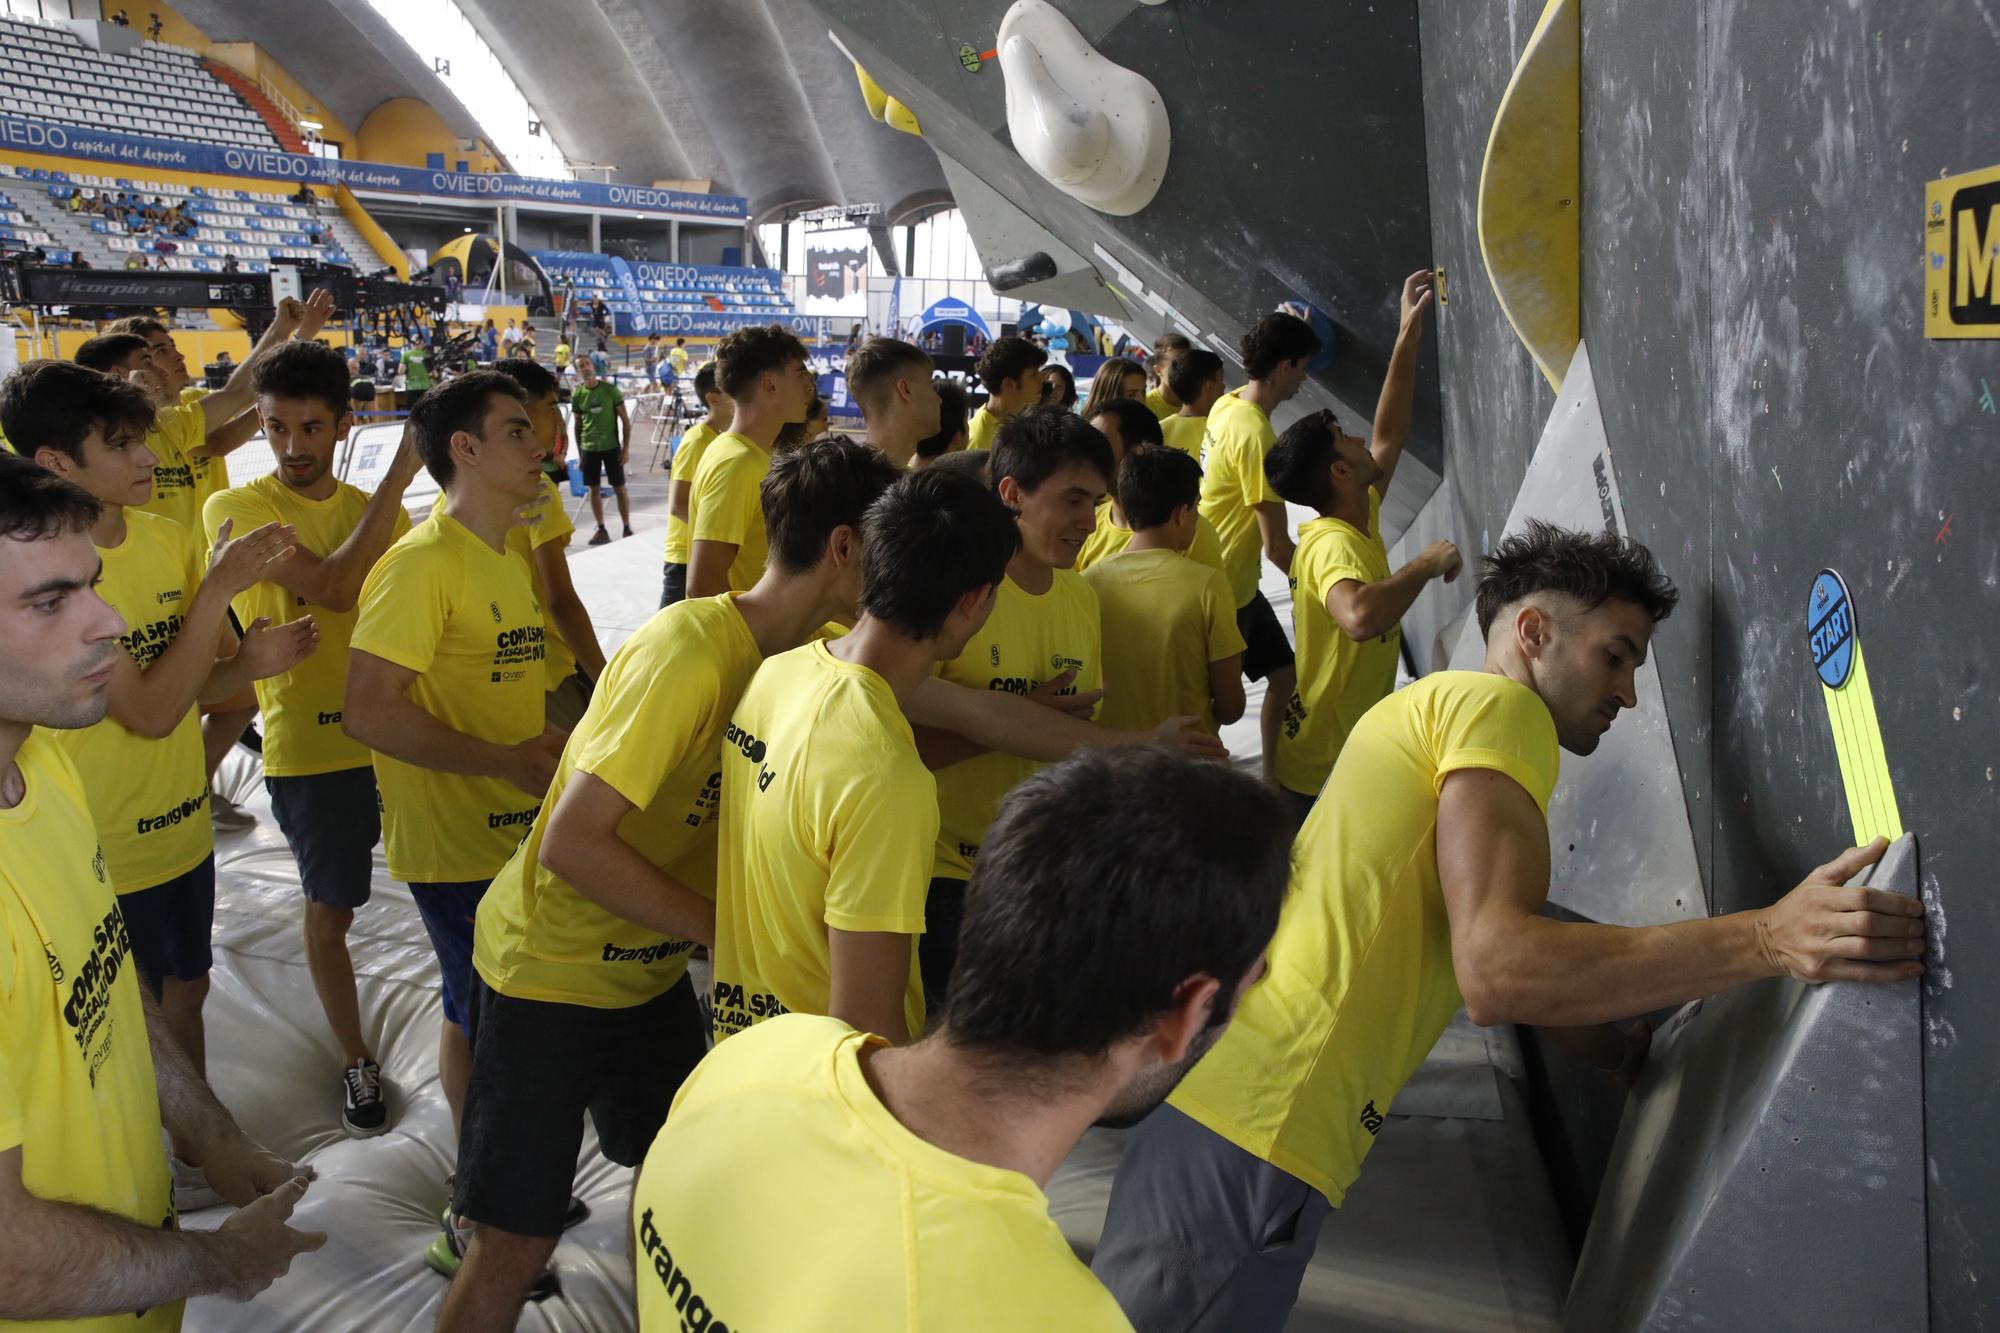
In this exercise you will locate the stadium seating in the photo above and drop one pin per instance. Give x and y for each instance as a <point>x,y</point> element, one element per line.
<point>47,73</point>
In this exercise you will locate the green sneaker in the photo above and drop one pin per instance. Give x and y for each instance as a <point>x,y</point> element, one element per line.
<point>445,1253</point>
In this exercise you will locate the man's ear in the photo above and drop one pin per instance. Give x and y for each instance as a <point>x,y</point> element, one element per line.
<point>340,427</point>
<point>1009,491</point>
<point>843,545</point>
<point>1534,629</point>
<point>56,461</point>
<point>464,448</point>
<point>1186,1017</point>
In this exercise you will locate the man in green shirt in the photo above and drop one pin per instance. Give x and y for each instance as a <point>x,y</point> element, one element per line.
<point>603,441</point>
<point>416,369</point>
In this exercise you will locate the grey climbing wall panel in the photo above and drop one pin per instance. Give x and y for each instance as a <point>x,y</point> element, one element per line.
<point>1770,1170</point>
<point>1620,849</point>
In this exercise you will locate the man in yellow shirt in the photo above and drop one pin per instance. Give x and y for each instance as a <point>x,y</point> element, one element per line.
<point>582,944</point>
<point>678,357</point>
<point>321,782</point>
<point>829,816</point>
<point>143,763</point>
<point>1171,647</point>
<point>1135,890</point>
<point>764,372</point>
<point>1346,605</point>
<point>1011,371</point>
<point>1160,395</point>
<point>686,462</point>
<point>1198,374</point>
<point>1127,425</point>
<point>891,381</point>
<point>446,679</point>
<point>1421,874</point>
<point>1248,515</point>
<point>89,1240</point>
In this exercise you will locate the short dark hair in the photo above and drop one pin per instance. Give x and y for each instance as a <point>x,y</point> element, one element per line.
<point>107,351</point>
<point>1056,374</point>
<point>55,404</point>
<point>536,380</point>
<point>1136,423</point>
<point>1154,481</point>
<point>1106,881</point>
<point>704,380</point>
<point>951,419</point>
<point>874,367</point>
<point>1108,384</point>
<point>1275,339</point>
<point>1298,466</point>
<point>930,539</point>
<point>1192,369</point>
<point>815,488</point>
<point>143,325</point>
<point>974,463</point>
<point>1592,567</point>
<point>748,353</point>
<point>454,406</point>
<point>1041,441</point>
<point>297,369</point>
<point>1008,358</point>
<point>36,504</point>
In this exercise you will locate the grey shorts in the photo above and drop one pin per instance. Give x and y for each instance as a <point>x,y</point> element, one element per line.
<point>1202,1235</point>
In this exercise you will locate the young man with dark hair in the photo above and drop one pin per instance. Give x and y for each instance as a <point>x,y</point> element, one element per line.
<point>321,782</point>
<point>1346,605</point>
<point>1160,396</point>
<point>88,1234</point>
<point>143,764</point>
<point>891,381</point>
<point>950,436</point>
<point>582,943</point>
<point>575,659</point>
<point>1421,875</point>
<point>1171,647</point>
<point>829,816</point>
<point>1196,380</point>
<point>446,680</point>
<point>678,357</point>
<point>686,462</point>
<point>1127,425</point>
<point>763,370</point>
<point>603,442</point>
<point>1120,909</point>
<point>1247,514</point>
<point>1010,371</point>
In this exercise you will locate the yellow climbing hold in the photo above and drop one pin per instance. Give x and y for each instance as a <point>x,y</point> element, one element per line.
<point>885,108</point>
<point>1529,192</point>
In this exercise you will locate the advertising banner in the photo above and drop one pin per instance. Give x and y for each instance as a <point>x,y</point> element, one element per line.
<point>837,272</point>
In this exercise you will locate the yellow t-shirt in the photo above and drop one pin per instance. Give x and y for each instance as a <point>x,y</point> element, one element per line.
<point>828,816</point>
<point>150,796</point>
<point>1360,982</point>
<point>465,618</point>
<point>301,708</point>
<point>552,524</point>
<point>1028,640</point>
<point>1339,679</point>
<point>1184,433</point>
<point>1108,539</point>
<point>777,1132</point>
<point>687,459</point>
<point>211,475</point>
<point>727,505</point>
<point>979,431</point>
<point>1165,618</point>
<point>76,1074</point>
<point>678,358</point>
<point>1157,401</point>
<point>178,430</point>
<point>653,733</point>
<point>1232,480</point>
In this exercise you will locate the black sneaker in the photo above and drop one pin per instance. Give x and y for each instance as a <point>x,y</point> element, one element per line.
<point>628,529</point>
<point>601,538</point>
<point>363,1112</point>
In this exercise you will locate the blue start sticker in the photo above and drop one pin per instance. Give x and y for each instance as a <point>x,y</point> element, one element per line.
<point>1830,628</point>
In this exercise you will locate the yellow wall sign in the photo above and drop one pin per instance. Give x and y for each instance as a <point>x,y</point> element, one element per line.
<point>1962,256</point>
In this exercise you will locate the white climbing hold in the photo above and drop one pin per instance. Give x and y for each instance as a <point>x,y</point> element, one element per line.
<point>1093,129</point>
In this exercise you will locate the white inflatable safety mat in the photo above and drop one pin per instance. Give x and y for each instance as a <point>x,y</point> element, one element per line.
<point>1450,1228</point>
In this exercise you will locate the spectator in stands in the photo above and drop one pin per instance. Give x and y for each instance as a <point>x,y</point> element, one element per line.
<point>600,315</point>
<point>229,264</point>
<point>75,204</point>
<point>76,260</point>
<point>153,26</point>
<point>135,260</point>
<point>122,19</point>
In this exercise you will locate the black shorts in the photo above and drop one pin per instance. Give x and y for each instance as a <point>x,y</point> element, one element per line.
<point>604,461</point>
<point>937,947</point>
<point>1266,649</point>
<point>169,926</point>
<point>673,585</point>
<point>537,1068</point>
<point>332,822</point>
